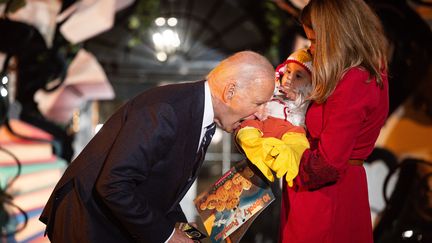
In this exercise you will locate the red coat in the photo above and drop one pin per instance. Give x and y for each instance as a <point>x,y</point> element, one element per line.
<point>329,199</point>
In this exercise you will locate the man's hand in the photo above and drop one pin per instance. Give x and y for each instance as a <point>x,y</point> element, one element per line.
<point>179,237</point>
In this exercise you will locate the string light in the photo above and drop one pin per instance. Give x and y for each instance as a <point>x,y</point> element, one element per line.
<point>166,39</point>
<point>5,80</point>
<point>3,92</point>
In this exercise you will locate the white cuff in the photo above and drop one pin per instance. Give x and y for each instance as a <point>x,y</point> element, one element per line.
<point>170,236</point>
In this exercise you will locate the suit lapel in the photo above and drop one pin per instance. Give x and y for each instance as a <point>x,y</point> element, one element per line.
<point>196,113</point>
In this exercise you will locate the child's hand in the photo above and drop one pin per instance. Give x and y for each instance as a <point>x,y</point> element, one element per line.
<point>263,115</point>
<point>289,92</point>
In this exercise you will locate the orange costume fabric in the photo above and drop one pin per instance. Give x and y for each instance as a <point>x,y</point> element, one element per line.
<point>329,200</point>
<point>272,127</point>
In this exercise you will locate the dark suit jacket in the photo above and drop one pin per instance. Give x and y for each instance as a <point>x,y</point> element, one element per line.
<point>126,184</point>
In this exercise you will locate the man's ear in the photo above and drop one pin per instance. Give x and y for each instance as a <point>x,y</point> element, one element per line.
<point>229,92</point>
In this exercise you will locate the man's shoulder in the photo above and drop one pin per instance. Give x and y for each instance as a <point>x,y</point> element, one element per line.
<point>174,89</point>
<point>185,95</point>
<point>186,85</point>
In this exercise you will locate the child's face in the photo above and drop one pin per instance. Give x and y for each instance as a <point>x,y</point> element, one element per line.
<point>295,76</point>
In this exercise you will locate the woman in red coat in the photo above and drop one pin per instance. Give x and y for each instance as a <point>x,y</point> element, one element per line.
<point>329,199</point>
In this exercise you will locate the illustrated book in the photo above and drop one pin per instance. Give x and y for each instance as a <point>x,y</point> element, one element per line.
<point>230,205</point>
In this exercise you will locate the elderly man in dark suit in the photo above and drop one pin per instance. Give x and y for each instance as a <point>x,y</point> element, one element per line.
<point>126,184</point>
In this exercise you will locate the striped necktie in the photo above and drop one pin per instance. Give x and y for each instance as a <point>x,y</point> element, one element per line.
<point>210,130</point>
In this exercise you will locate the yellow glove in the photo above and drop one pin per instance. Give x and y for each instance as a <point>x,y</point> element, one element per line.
<point>286,154</point>
<point>272,154</point>
<point>250,139</point>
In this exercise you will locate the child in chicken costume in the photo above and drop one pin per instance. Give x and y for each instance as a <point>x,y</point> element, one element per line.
<point>278,142</point>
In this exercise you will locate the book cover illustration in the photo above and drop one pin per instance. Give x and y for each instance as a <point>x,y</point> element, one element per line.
<point>229,206</point>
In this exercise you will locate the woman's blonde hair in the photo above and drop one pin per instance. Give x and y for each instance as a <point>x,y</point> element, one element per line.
<point>348,34</point>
